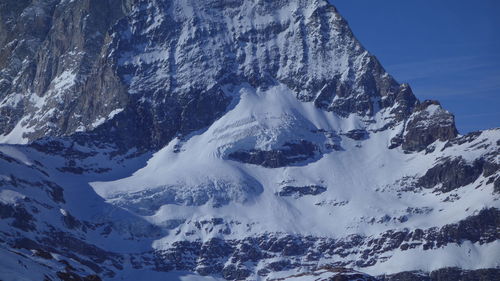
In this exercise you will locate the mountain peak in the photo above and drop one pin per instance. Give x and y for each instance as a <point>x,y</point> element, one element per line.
<point>180,55</point>
<point>227,140</point>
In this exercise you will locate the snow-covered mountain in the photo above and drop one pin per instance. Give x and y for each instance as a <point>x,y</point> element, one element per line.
<point>228,139</point>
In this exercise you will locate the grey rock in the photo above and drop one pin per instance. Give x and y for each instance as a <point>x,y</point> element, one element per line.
<point>233,272</point>
<point>444,274</point>
<point>206,257</point>
<point>87,60</point>
<point>112,75</point>
<point>357,134</point>
<point>466,275</point>
<point>21,218</point>
<point>452,174</point>
<point>428,123</point>
<point>300,191</point>
<point>490,168</point>
<point>290,154</point>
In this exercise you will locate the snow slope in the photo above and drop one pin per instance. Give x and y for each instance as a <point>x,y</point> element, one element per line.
<point>191,191</point>
<point>231,140</point>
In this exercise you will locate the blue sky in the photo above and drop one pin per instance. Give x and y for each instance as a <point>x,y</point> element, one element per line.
<point>448,50</point>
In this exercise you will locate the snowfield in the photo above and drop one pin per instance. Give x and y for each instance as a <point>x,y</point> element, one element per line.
<point>227,140</point>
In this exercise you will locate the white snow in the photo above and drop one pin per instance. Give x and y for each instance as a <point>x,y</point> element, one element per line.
<point>64,81</point>
<point>63,212</point>
<point>101,120</point>
<point>12,100</point>
<point>192,179</point>
<point>363,176</point>
<point>98,122</point>
<point>10,197</point>
<point>114,112</point>
<point>16,136</point>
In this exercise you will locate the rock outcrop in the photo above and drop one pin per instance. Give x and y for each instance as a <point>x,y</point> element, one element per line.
<point>428,123</point>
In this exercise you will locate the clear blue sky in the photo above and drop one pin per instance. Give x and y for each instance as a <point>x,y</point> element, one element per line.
<point>448,50</point>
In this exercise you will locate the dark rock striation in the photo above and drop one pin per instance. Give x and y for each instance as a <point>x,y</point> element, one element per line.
<point>299,191</point>
<point>451,174</point>
<point>290,154</point>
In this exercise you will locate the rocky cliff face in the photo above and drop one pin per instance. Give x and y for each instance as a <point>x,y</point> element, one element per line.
<point>70,66</point>
<point>233,139</point>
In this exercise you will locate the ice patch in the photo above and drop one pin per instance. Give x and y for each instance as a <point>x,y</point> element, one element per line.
<point>10,197</point>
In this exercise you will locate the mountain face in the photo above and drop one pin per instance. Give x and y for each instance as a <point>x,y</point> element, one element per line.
<point>228,139</point>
